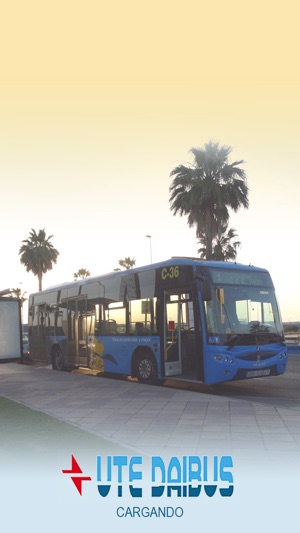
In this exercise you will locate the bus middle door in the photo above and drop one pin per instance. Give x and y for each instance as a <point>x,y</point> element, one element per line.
<point>77,331</point>
<point>172,333</point>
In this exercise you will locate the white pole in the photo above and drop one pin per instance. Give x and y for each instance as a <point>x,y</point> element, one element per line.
<point>150,239</point>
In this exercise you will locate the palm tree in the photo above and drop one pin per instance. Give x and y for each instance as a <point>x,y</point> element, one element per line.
<point>223,247</point>
<point>17,293</point>
<point>38,254</point>
<point>206,190</point>
<point>81,274</point>
<point>125,263</point>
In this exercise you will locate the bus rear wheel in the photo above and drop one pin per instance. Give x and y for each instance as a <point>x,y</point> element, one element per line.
<point>146,369</point>
<point>57,359</point>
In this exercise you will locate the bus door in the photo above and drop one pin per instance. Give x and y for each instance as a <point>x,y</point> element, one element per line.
<point>172,333</point>
<point>77,331</point>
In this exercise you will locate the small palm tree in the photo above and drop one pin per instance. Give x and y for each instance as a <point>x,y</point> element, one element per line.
<point>224,248</point>
<point>207,189</point>
<point>82,273</point>
<point>38,254</point>
<point>125,263</point>
<point>17,293</point>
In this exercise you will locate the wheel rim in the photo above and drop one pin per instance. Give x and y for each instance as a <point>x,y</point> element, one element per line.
<point>145,368</point>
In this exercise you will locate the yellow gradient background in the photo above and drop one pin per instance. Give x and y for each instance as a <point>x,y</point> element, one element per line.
<point>100,101</point>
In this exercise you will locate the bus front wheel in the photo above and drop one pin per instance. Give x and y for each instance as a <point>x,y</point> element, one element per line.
<point>57,359</point>
<point>146,369</point>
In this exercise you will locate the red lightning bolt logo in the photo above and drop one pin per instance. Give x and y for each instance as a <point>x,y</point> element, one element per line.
<point>75,469</point>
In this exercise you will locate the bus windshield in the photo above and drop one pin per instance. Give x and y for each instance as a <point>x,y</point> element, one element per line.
<point>243,315</point>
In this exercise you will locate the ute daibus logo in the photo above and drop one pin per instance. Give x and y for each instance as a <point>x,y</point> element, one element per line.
<point>188,476</point>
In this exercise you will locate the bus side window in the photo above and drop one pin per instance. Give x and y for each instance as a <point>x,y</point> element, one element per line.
<point>114,319</point>
<point>142,317</point>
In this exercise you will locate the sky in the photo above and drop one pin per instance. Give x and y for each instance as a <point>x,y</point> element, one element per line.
<point>100,101</point>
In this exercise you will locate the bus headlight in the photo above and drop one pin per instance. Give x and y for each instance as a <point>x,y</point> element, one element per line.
<point>224,359</point>
<point>282,355</point>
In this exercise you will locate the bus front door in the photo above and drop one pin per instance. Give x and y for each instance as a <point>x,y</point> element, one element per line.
<point>77,331</point>
<point>172,333</point>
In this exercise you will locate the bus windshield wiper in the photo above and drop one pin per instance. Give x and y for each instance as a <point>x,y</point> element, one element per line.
<point>258,338</point>
<point>234,340</point>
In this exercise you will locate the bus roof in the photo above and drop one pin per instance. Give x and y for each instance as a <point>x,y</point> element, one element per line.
<point>176,260</point>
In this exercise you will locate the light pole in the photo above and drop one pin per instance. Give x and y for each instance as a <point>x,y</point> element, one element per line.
<point>150,239</point>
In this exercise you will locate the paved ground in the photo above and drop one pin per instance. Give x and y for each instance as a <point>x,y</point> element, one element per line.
<point>156,420</point>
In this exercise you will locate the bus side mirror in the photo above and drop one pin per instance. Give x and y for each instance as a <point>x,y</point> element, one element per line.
<point>206,290</point>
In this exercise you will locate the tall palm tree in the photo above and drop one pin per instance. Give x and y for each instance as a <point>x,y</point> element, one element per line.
<point>81,274</point>
<point>38,254</point>
<point>207,189</point>
<point>224,245</point>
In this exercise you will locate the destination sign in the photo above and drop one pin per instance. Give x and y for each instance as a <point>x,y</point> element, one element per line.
<point>226,276</point>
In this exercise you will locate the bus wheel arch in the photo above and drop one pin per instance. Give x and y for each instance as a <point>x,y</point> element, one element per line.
<point>143,366</point>
<point>57,358</point>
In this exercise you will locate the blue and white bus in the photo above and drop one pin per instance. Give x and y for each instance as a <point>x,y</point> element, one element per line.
<point>195,320</point>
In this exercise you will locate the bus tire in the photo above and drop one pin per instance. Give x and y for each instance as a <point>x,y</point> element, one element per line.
<point>57,359</point>
<point>145,368</point>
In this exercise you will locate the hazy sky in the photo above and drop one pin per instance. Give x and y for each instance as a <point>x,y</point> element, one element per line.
<point>100,101</point>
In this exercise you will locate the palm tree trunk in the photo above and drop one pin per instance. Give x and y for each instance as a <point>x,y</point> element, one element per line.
<point>208,235</point>
<point>40,276</point>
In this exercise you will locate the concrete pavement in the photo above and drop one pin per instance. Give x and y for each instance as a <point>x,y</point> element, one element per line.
<point>153,419</point>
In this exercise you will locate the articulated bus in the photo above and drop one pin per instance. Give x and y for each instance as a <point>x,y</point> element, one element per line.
<point>194,320</point>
